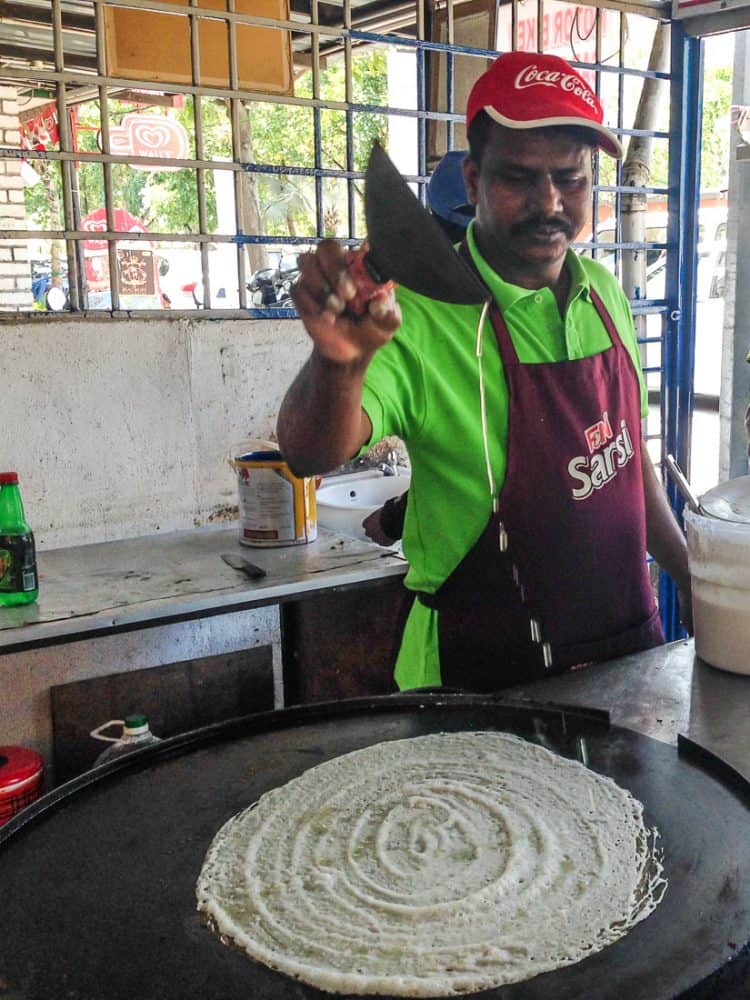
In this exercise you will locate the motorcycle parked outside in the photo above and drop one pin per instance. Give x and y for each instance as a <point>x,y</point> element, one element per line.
<point>272,286</point>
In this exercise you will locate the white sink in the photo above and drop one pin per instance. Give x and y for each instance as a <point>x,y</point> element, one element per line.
<point>345,501</point>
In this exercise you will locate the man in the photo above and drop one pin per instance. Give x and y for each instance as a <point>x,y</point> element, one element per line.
<point>532,500</point>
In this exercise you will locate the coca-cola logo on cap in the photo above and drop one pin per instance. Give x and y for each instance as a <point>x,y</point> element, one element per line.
<point>568,83</point>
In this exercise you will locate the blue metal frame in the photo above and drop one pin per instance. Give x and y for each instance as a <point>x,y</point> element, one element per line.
<point>682,272</point>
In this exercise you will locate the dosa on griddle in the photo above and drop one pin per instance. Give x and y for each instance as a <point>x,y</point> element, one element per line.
<point>444,864</point>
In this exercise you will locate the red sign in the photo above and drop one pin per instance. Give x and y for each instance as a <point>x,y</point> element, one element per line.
<point>691,8</point>
<point>150,135</point>
<point>96,222</point>
<point>39,129</point>
<point>568,31</point>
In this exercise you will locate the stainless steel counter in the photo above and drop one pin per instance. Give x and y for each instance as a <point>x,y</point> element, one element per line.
<point>662,692</point>
<point>112,586</point>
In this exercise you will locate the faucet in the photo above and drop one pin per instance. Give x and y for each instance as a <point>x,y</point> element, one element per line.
<point>390,466</point>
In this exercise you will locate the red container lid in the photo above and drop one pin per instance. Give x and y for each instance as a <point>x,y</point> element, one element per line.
<point>18,764</point>
<point>8,478</point>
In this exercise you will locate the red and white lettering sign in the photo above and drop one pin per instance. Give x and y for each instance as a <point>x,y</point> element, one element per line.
<point>691,8</point>
<point>150,135</point>
<point>568,31</point>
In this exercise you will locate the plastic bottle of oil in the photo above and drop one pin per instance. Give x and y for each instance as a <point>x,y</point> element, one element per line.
<point>135,733</point>
<point>19,583</point>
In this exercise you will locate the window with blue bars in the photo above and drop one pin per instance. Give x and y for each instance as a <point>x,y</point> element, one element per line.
<point>180,159</point>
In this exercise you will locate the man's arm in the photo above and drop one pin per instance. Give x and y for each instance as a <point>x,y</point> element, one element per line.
<point>664,537</point>
<point>321,421</point>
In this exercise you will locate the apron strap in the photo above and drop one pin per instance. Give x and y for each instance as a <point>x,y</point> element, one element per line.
<point>605,317</point>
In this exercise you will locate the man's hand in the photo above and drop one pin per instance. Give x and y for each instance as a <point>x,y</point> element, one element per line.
<point>321,295</point>
<point>321,422</point>
<point>374,528</point>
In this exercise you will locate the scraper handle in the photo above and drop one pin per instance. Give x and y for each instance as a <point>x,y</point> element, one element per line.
<point>368,282</point>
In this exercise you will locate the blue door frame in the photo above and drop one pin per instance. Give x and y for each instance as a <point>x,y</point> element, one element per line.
<point>681,278</point>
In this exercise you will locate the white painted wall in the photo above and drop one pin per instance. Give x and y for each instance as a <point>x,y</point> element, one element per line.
<point>123,428</point>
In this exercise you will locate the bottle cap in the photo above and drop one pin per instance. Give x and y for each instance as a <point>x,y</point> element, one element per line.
<point>135,725</point>
<point>8,478</point>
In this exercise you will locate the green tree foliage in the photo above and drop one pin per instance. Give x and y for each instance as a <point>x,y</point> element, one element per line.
<point>282,135</point>
<point>717,101</point>
<point>285,136</point>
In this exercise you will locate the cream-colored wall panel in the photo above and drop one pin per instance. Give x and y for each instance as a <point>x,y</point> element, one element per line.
<point>240,372</point>
<point>122,428</point>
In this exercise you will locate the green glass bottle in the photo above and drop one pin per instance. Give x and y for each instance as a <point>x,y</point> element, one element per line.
<point>18,577</point>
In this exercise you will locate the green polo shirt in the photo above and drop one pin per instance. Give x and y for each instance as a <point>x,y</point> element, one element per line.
<point>423,386</point>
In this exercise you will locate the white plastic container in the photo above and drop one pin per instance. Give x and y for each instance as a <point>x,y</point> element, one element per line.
<point>134,734</point>
<point>719,559</point>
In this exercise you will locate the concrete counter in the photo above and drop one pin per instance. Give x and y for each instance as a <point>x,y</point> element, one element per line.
<point>141,582</point>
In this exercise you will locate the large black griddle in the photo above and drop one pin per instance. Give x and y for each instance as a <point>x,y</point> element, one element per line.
<point>97,878</point>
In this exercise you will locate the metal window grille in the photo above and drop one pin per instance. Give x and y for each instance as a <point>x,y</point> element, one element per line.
<point>56,54</point>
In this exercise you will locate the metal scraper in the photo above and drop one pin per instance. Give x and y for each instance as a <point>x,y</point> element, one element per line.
<point>407,245</point>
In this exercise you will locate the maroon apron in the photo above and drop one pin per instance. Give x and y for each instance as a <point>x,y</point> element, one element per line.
<point>559,575</point>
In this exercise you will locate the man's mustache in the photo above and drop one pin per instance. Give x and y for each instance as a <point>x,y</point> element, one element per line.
<point>537,222</point>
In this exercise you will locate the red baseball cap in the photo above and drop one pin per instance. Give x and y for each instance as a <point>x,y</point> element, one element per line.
<point>532,90</point>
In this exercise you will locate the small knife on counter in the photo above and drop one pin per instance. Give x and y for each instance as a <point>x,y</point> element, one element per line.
<point>243,565</point>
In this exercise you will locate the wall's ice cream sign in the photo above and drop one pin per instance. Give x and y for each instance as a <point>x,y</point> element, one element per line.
<point>154,136</point>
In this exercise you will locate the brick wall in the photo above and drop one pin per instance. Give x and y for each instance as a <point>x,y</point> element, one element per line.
<point>15,276</point>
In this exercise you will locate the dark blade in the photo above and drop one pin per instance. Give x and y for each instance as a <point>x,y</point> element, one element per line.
<point>407,244</point>
<point>243,565</point>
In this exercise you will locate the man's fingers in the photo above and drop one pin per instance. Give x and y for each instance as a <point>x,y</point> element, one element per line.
<point>316,285</point>
<point>333,264</point>
<point>325,287</point>
<point>309,304</point>
<point>385,311</point>
<point>325,275</point>
<point>321,294</point>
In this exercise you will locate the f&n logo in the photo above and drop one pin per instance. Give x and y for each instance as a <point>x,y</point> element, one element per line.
<point>598,434</point>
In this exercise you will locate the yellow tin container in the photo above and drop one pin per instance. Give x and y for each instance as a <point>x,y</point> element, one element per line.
<point>276,507</point>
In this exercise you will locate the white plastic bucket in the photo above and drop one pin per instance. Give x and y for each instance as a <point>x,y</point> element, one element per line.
<point>719,559</point>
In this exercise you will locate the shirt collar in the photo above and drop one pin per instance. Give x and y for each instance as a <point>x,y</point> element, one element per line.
<point>506,294</point>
